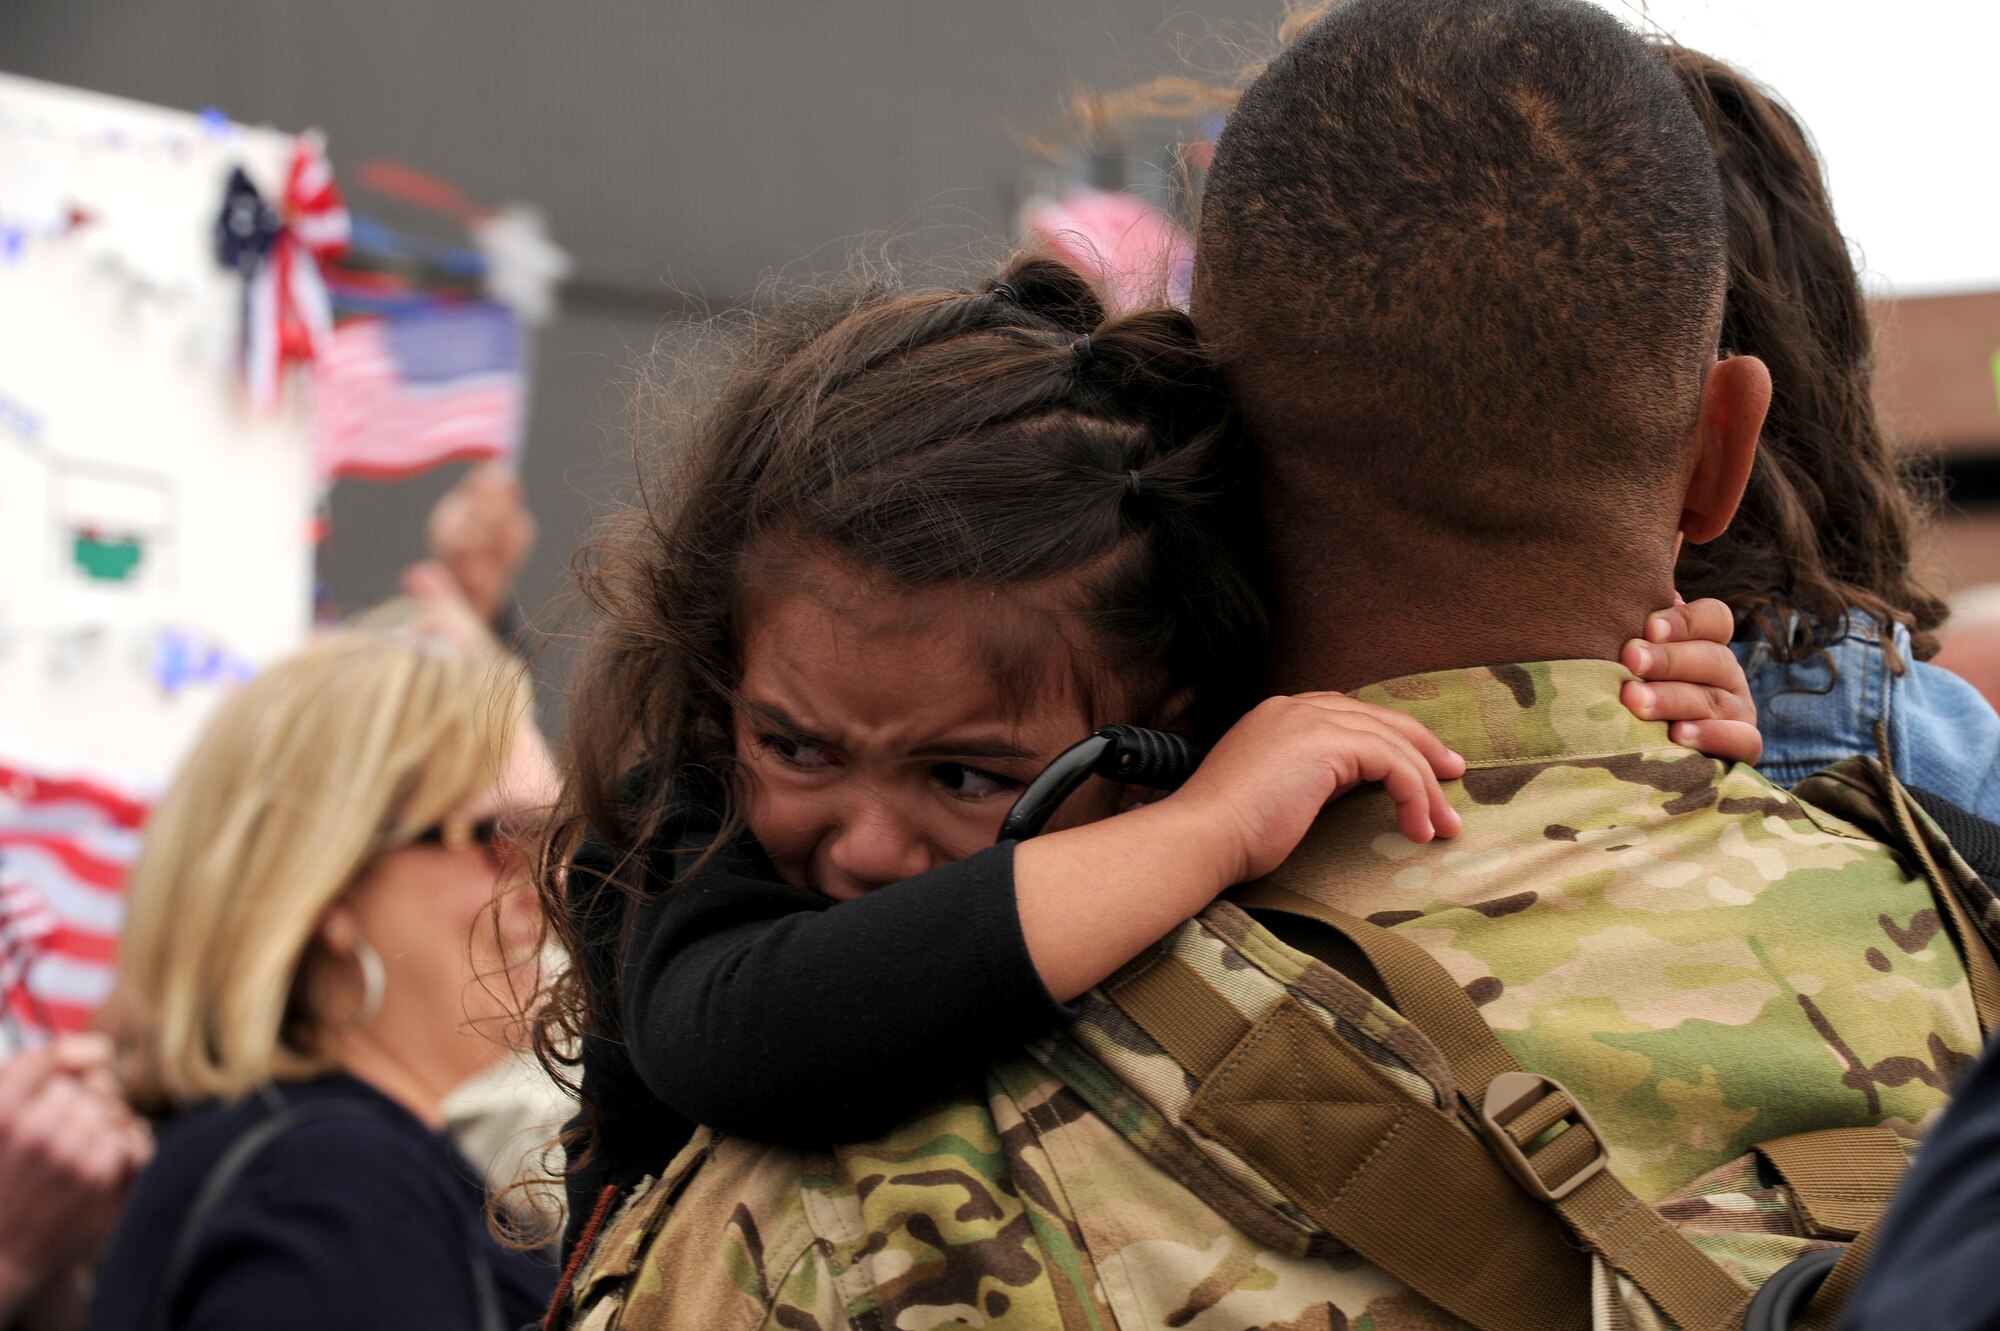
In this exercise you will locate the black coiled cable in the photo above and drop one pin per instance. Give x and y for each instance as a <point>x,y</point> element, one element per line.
<point>1130,755</point>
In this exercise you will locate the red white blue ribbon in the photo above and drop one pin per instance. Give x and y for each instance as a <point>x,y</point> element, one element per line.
<point>287,316</point>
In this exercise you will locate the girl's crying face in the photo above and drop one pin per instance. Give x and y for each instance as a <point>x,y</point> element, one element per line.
<point>878,737</point>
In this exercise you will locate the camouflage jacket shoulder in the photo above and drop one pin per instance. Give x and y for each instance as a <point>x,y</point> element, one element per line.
<point>1706,961</point>
<point>1071,1192</point>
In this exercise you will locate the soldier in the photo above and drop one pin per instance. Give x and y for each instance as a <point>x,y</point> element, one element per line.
<point>1463,262</point>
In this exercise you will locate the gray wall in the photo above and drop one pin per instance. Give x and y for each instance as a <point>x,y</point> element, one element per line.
<point>680,151</point>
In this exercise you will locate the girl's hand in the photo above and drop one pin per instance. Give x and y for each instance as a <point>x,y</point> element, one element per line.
<point>1693,681</point>
<point>1093,897</point>
<point>1264,782</point>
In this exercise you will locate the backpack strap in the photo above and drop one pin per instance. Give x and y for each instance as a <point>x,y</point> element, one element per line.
<point>1426,1195</point>
<point>1982,972</point>
<point>1515,1111</point>
<point>1976,839</point>
<point>1398,1181</point>
<point>1840,1179</point>
<point>1865,792</point>
<point>1823,1308</point>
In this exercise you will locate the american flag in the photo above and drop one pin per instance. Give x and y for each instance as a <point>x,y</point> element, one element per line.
<point>66,847</point>
<point>394,396</point>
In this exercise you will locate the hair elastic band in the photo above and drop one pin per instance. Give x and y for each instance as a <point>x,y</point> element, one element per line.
<point>1082,350</point>
<point>1132,484</point>
<point>1004,291</point>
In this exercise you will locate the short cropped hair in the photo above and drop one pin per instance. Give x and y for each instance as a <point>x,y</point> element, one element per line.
<point>1466,257</point>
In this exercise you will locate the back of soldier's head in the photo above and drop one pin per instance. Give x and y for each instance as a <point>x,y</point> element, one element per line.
<point>1465,262</point>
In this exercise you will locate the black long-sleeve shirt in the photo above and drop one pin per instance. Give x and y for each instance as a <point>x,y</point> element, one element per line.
<point>765,1010</point>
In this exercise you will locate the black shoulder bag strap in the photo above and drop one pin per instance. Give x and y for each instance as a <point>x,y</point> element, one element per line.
<point>228,1171</point>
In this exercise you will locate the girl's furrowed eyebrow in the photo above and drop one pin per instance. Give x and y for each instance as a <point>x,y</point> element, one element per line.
<point>785,723</point>
<point>972,749</point>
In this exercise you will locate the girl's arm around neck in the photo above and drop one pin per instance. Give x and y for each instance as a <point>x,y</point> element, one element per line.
<point>1091,898</point>
<point>762,1009</point>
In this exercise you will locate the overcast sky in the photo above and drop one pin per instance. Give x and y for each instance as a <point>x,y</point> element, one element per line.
<point>1901,98</point>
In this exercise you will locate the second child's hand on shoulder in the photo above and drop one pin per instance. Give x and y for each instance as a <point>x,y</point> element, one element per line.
<point>1690,679</point>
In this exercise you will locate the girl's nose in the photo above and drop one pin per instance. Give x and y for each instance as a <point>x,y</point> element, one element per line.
<point>873,848</point>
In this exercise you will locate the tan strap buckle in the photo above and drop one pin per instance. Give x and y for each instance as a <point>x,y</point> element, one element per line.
<point>1513,1095</point>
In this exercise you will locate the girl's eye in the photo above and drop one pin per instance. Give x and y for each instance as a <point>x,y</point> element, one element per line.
<point>800,754</point>
<point>970,783</point>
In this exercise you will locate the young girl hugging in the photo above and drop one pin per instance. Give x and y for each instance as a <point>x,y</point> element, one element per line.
<point>1836,629</point>
<point>920,544</point>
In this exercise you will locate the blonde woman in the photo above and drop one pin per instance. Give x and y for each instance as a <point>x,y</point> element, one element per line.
<point>315,956</point>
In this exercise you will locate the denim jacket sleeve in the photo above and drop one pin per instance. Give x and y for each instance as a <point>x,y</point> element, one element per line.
<point>1943,736</point>
<point>1946,739</point>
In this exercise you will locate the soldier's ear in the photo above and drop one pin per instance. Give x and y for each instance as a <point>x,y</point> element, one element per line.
<point>1734,398</point>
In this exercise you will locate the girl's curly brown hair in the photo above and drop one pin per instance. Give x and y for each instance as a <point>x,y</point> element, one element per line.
<point>1828,522</point>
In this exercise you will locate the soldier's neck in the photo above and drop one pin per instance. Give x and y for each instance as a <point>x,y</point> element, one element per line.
<point>1326,641</point>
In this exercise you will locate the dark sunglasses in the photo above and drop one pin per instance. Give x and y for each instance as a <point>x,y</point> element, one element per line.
<point>499,837</point>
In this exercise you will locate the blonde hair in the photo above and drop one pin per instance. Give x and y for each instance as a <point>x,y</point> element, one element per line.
<point>352,746</point>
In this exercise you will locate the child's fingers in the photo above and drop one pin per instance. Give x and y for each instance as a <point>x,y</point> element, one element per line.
<point>1413,800</point>
<point>1427,755</point>
<point>1443,817</point>
<point>1365,731</point>
<point>1421,809</point>
<point>1707,620</point>
<point>1381,744</point>
<point>1688,681</point>
<point>1679,700</point>
<point>1442,758</point>
<point>1710,619</point>
<point>1731,741</point>
<point>1707,663</point>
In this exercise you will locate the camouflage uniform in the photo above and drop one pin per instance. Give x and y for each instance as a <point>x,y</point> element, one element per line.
<point>1705,961</point>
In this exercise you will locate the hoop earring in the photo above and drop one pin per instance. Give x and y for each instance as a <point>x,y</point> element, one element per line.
<point>374,981</point>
